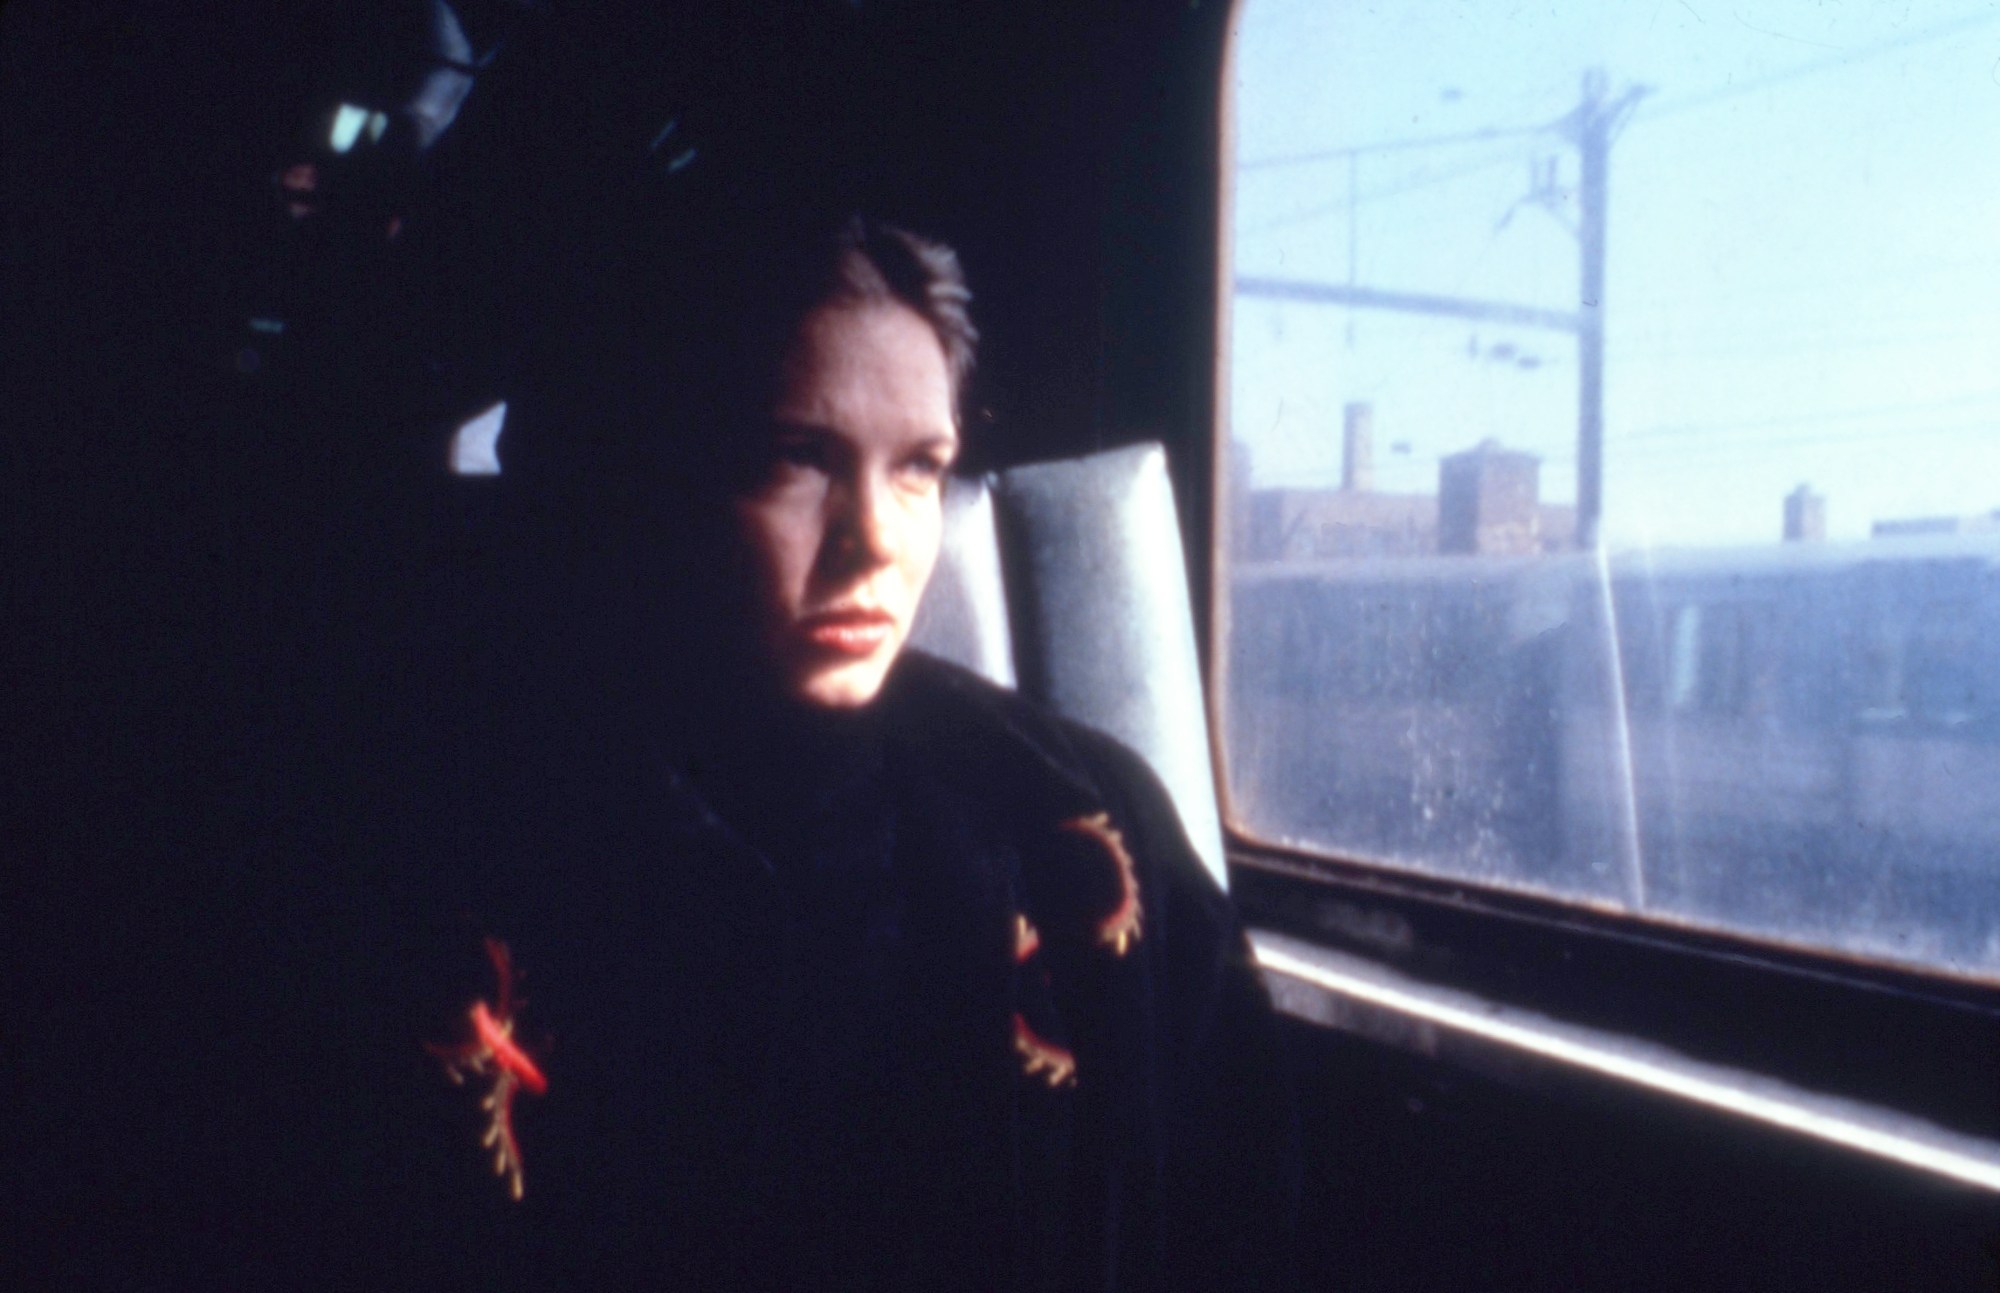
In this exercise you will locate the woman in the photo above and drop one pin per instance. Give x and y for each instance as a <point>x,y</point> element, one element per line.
<point>871,974</point>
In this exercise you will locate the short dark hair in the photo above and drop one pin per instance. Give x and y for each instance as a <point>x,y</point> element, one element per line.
<point>880,263</point>
<point>726,307</point>
<point>734,291</point>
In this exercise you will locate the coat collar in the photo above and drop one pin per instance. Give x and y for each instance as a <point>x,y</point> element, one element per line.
<point>968,727</point>
<point>936,719</point>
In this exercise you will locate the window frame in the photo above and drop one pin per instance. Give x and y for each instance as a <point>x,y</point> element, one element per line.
<point>1909,1041</point>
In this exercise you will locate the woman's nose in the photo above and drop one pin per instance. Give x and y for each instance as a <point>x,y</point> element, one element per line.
<point>866,523</point>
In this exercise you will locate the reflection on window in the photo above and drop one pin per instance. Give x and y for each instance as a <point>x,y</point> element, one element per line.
<point>347,123</point>
<point>475,446</point>
<point>1613,500</point>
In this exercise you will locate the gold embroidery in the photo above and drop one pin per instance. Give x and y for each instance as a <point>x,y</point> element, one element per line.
<point>1026,939</point>
<point>1042,1058</point>
<point>493,1056</point>
<point>1119,930</point>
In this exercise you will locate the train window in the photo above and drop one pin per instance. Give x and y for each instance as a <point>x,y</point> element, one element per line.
<point>1611,511</point>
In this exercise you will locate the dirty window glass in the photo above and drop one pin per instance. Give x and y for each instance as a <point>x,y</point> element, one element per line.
<point>1612,503</point>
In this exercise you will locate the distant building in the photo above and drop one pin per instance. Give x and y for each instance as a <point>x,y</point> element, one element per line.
<point>1805,516</point>
<point>1305,524</point>
<point>1986,523</point>
<point>1357,448</point>
<point>1488,501</point>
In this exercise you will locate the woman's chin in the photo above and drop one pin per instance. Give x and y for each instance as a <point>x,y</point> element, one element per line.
<point>841,684</point>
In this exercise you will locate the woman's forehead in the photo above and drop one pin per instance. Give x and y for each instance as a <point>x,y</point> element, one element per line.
<point>867,366</point>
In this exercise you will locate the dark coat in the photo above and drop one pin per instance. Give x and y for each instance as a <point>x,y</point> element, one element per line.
<point>1003,1032</point>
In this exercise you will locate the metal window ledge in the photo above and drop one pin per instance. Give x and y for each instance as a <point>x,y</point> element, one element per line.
<point>1353,993</point>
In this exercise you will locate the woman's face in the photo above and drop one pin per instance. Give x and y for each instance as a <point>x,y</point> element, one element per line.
<point>842,529</point>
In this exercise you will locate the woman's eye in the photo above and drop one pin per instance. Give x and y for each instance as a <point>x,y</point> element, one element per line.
<point>797,460</point>
<point>799,452</point>
<point>927,468</point>
<point>784,464</point>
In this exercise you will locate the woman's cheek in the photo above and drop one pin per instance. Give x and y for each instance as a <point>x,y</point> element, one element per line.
<point>927,531</point>
<point>762,541</point>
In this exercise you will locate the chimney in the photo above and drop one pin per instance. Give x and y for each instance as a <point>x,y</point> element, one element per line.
<point>1489,501</point>
<point>1805,516</point>
<point>1357,449</point>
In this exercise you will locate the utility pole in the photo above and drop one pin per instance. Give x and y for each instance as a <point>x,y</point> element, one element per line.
<point>1593,146</point>
<point>1591,126</point>
<point>1593,123</point>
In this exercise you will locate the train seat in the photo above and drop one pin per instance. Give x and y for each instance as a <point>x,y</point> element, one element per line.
<point>1066,580</point>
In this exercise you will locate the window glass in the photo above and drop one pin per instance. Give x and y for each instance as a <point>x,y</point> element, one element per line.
<point>1613,475</point>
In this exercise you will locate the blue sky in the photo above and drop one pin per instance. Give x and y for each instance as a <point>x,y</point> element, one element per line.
<point>1804,250</point>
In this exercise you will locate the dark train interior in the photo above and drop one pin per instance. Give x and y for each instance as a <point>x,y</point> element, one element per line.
<point>235,360</point>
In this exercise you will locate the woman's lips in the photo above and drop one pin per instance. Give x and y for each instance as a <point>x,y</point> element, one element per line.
<point>855,633</point>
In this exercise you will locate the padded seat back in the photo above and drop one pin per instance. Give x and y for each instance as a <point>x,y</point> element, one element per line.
<point>1066,580</point>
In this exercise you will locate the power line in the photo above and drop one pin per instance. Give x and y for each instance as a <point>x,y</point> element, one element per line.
<point>1665,108</point>
<point>1702,99</point>
<point>1673,441</point>
<point>1396,146</point>
<point>1819,417</point>
<point>1643,448</point>
<point>1375,298</point>
<point>1413,184</point>
<point>1726,347</point>
<point>1818,283</point>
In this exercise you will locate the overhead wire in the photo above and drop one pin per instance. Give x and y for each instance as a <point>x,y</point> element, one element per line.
<point>1643,447</point>
<point>1671,107</point>
<point>1821,416</point>
<point>1661,441</point>
<point>1722,345</point>
<point>1343,152</point>
<point>1413,184</point>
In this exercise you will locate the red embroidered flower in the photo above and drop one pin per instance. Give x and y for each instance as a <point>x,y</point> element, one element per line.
<point>493,1057</point>
<point>1118,929</point>
<point>1040,1057</point>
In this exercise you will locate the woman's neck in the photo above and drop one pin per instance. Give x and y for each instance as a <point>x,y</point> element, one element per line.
<point>759,758</point>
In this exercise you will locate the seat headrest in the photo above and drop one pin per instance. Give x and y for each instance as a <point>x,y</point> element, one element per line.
<point>1067,579</point>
